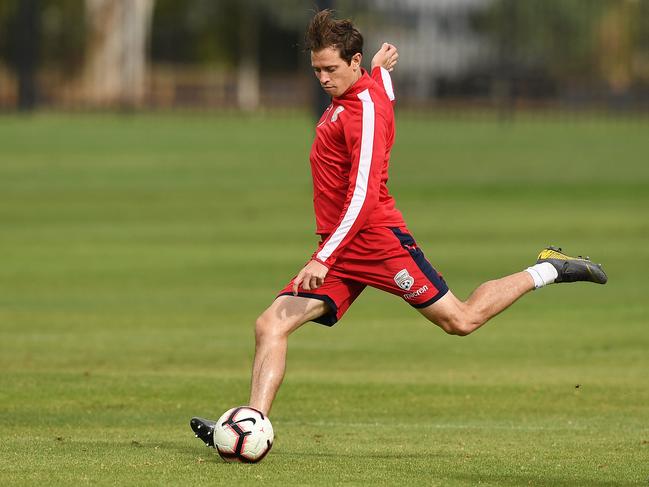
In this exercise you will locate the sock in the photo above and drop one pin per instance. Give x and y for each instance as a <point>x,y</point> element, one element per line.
<point>543,274</point>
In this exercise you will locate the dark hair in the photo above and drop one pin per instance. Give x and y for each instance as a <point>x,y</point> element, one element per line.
<point>324,31</point>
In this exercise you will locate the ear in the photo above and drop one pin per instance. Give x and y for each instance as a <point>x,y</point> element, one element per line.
<point>356,60</point>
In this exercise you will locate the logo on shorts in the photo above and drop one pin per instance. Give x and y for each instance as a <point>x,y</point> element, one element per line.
<point>417,293</point>
<point>404,280</point>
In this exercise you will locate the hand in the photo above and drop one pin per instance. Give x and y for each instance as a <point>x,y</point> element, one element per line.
<point>386,57</point>
<point>310,277</point>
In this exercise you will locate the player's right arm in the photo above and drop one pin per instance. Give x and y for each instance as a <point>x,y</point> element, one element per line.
<point>310,277</point>
<point>366,136</point>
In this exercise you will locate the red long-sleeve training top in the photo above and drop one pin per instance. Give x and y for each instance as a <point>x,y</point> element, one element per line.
<point>349,163</point>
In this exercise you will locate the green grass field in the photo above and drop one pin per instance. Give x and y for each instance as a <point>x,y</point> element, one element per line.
<point>136,253</point>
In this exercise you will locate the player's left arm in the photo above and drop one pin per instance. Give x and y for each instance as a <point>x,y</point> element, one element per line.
<point>386,57</point>
<point>383,64</point>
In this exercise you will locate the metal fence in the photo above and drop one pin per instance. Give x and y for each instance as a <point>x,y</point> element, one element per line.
<point>455,55</point>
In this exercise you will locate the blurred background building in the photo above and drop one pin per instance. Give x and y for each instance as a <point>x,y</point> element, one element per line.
<point>504,55</point>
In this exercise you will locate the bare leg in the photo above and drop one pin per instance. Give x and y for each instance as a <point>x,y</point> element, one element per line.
<point>286,314</point>
<point>461,318</point>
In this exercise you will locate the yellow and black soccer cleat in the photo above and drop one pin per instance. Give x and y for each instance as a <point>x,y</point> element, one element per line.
<point>572,269</point>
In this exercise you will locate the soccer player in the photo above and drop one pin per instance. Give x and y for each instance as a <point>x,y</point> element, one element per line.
<point>364,240</point>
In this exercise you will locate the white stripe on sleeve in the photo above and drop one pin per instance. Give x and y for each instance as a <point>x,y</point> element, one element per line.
<point>362,178</point>
<point>387,83</point>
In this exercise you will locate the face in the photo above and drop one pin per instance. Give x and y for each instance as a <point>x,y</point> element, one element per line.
<point>333,72</point>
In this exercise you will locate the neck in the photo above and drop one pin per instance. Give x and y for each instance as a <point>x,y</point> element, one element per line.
<point>357,76</point>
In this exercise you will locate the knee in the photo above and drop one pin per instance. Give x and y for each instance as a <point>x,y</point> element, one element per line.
<point>268,328</point>
<point>453,316</point>
<point>263,327</point>
<point>458,326</point>
<point>458,329</point>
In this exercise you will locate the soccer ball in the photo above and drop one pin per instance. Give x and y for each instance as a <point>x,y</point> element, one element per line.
<point>243,434</point>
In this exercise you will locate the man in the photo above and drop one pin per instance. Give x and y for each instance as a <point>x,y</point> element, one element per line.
<point>364,240</point>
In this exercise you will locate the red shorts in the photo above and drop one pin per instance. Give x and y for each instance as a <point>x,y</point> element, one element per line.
<point>381,257</point>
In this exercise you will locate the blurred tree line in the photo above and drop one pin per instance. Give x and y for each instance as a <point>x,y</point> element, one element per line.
<point>103,46</point>
<point>573,41</point>
<point>106,43</point>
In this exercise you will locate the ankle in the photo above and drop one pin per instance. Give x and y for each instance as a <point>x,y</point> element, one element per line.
<point>542,274</point>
